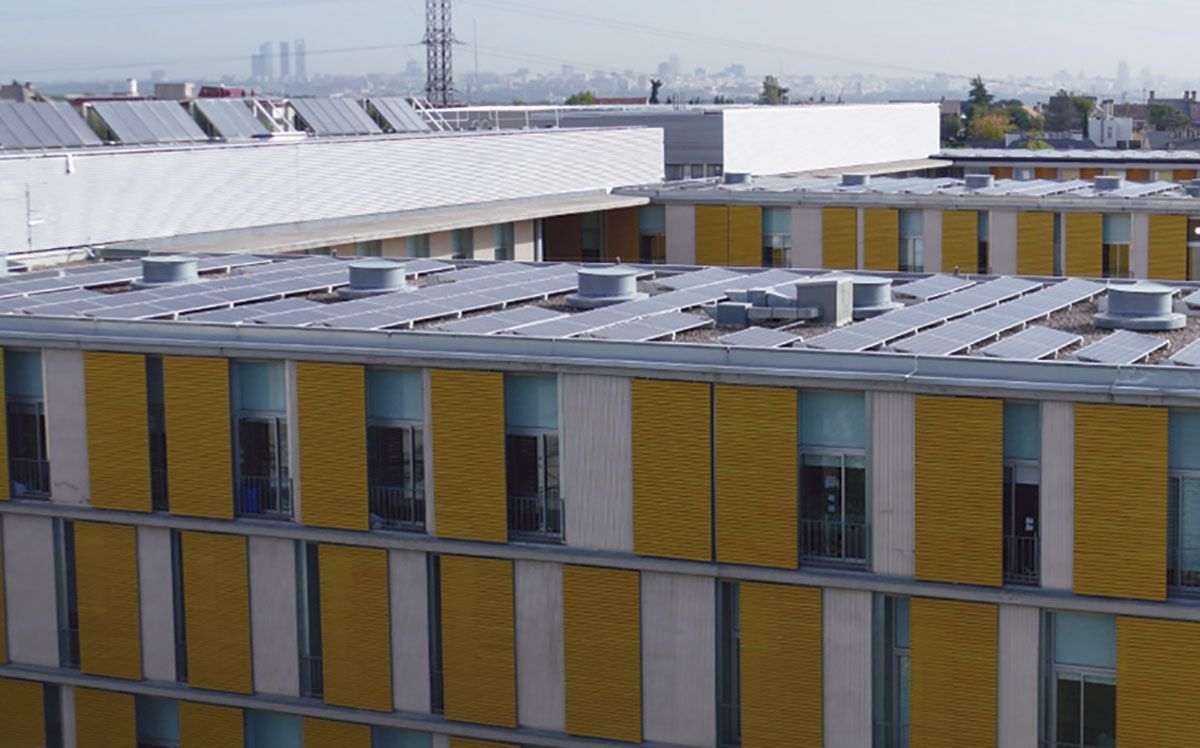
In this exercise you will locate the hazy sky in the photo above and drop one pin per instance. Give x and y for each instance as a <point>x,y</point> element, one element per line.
<point>71,39</point>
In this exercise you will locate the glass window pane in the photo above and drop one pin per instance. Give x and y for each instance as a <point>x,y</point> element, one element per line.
<point>912,224</point>
<point>531,401</point>
<point>821,487</point>
<point>833,419</point>
<point>521,454</point>
<point>416,246</point>
<point>1022,431</point>
<point>23,373</point>
<point>1085,639</point>
<point>1099,713</point>
<point>258,385</point>
<point>1189,524</point>
<point>1117,228</point>
<point>777,220</point>
<point>157,719</point>
<point>395,394</point>
<point>154,380</point>
<point>902,608</point>
<point>273,730</point>
<point>388,737</point>
<point>652,220</point>
<point>856,493</point>
<point>1183,439</point>
<point>1067,689</point>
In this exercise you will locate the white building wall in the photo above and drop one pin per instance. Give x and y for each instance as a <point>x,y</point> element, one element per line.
<point>681,234</point>
<point>1058,495</point>
<point>541,690</point>
<point>275,650</point>
<point>1002,242</point>
<point>597,462</point>
<point>156,603</point>
<point>31,610</point>
<point>408,583</point>
<point>807,243</point>
<point>846,635</point>
<point>892,457</point>
<point>678,659</point>
<point>66,425</point>
<point>933,240</point>
<point>1139,245</point>
<point>775,140</point>
<point>1017,686</point>
<point>524,247</point>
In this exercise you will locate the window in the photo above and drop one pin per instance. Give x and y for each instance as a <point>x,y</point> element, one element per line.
<point>157,722</point>
<point>273,729</point>
<point>28,464</point>
<point>1067,175</point>
<point>416,246</point>
<point>1117,234</point>
<point>463,244</point>
<point>729,706</point>
<point>395,449</point>
<point>591,243</point>
<point>1023,174</point>
<point>674,172</point>
<point>652,234</point>
<point>391,737</point>
<point>504,237</point>
<point>156,411</point>
<point>262,486</point>
<point>66,592</point>
<point>52,713</point>
<point>373,248</point>
<point>308,610</point>
<point>984,223</point>
<point>1022,489</point>
<point>777,237</point>
<point>1079,680</point>
<point>833,489</point>
<point>890,674</point>
<point>912,241</point>
<point>181,663</point>
<point>531,458</point>
<point>1058,244</point>
<point>433,571</point>
<point>1183,502</point>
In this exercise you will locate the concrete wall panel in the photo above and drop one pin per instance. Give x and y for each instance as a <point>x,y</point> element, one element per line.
<point>933,240</point>
<point>807,249</point>
<point>408,584</point>
<point>678,659</point>
<point>681,234</point>
<point>597,462</point>
<point>541,693</point>
<point>1058,495</point>
<point>275,647</point>
<point>157,601</point>
<point>892,460</point>
<point>846,634</point>
<point>66,425</point>
<point>31,608</point>
<point>1017,687</point>
<point>1002,242</point>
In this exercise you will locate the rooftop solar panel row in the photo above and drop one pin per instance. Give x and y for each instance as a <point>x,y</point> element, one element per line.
<point>42,124</point>
<point>148,122</point>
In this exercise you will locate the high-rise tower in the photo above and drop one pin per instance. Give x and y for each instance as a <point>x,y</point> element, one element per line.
<point>439,46</point>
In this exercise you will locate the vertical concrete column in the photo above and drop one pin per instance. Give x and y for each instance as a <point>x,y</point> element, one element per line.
<point>846,640</point>
<point>541,690</point>
<point>933,240</point>
<point>1017,687</point>
<point>156,600</point>
<point>524,246</point>
<point>408,585</point>
<point>30,599</point>
<point>681,234</point>
<point>1058,495</point>
<point>807,245</point>
<point>679,659</point>
<point>892,458</point>
<point>66,425</point>
<point>275,648</point>
<point>860,234</point>
<point>441,245</point>
<point>427,448</point>
<point>1139,245</point>
<point>1002,243</point>
<point>67,705</point>
<point>597,462</point>
<point>484,239</point>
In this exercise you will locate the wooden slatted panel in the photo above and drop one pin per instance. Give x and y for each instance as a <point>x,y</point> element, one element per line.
<point>1184,175</point>
<point>205,725</point>
<point>324,733</point>
<point>356,627</point>
<point>106,571</point>
<point>22,714</point>
<point>332,419</point>
<point>1002,172</point>
<point>118,434</point>
<point>467,409</point>
<point>1167,248</point>
<point>755,442</point>
<point>960,241</point>
<point>1137,175</point>
<point>1035,244</point>
<point>104,719</point>
<point>959,523</point>
<point>881,239</point>
<point>745,236</point>
<point>1085,244</point>
<point>1045,172</point>
<point>216,611</point>
<point>602,652</point>
<point>562,240</point>
<point>839,238</point>
<point>672,469</point>
<point>1157,662</point>
<point>781,665</point>
<point>712,235</point>
<point>5,485</point>
<point>953,671</point>
<point>478,650</point>
<point>622,234</point>
<point>199,460</point>
<point>1089,174</point>
<point>1120,501</point>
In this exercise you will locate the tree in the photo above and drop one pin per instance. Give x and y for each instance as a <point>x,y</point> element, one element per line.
<point>1021,118</point>
<point>1037,144</point>
<point>1067,111</point>
<point>582,98</point>
<point>951,127</point>
<point>978,98</point>
<point>991,126</point>
<point>1166,117</point>
<point>772,92</point>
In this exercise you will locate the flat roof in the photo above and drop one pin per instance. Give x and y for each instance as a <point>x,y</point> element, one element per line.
<point>1081,155</point>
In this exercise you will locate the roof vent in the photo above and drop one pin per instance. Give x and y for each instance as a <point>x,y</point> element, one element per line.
<point>166,270</point>
<point>979,181</point>
<point>737,177</point>
<point>373,277</point>
<point>1107,183</point>
<point>601,286</point>
<point>873,296</point>
<point>1140,306</point>
<point>856,180</point>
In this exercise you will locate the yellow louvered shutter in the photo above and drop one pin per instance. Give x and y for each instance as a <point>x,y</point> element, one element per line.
<point>478,656</point>
<point>712,235</point>
<point>5,485</point>
<point>881,239</point>
<point>672,469</point>
<point>1120,501</point>
<point>1137,175</point>
<point>781,665</point>
<point>960,241</point>
<point>959,490</point>
<point>839,238</point>
<point>216,611</point>
<point>356,627</point>
<point>22,714</point>
<point>1045,172</point>
<point>602,652</point>
<point>104,719</point>
<point>745,236</point>
<point>1085,244</point>
<point>1157,662</point>
<point>107,581</point>
<point>324,733</point>
<point>953,671</point>
<point>208,726</point>
<point>118,436</point>
<point>470,495</point>
<point>1167,249</point>
<point>199,461</point>
<point>1035,244</point>
<point>332,419</point>
<point>1002,172</point>
<point>755,443</point>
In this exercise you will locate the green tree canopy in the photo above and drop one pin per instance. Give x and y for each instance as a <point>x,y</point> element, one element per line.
<point>581,99</point>
<point>990,126</point>
<point>979,96</point>
<point>1166,117</point>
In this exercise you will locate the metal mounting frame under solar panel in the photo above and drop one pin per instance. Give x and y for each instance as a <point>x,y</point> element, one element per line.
<point>1121,348</point>
<point>148,122</point>
<point>399,115</point>
<point>1032,344</point>
<point>231,119</point>
<point>1187,356</point>
<point>34,125</point>
<point>759,337</point>
<point>928,289</point>
<point>334,116</point>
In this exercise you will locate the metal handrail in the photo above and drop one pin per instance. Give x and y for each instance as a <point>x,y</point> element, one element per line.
<point>1022,559</point>
<point>30,477</point>
<point>537,519</point>
<point>396,507</point>
<point>843,541</point>
<point>263,496</point>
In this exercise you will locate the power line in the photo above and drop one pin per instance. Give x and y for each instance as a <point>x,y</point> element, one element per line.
<point>100,11</point>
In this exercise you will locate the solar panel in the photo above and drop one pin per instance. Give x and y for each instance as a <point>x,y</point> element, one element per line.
<point>759,337</point>
<point>1032,343</point>
<point>931,288</point>
<point>696,278</point>
<point>399,115</point>
<point>231,118</point>
<point>1189,356</point>
<point>42,124</point>
<point>148,122</point>
<point>666,325</point>
<point>1121,348</point>
<point>334,116</point>
<point>509,319</point>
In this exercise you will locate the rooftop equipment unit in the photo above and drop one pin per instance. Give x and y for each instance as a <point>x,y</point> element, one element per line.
<point>1107,183</point>
<point>737,177</point>
<point>167,270</point>
<point>1192,188</point>
<point>873,296</point>
<point>1140,306</point>
<point>856,180</point>
<point>374,277</point>
<point>602,286</point>
<point>979,181</point>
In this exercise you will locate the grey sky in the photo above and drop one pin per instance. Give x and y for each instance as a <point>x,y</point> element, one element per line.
<point>60,39</point>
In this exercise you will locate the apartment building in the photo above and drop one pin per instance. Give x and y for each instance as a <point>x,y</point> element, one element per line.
<point>1103,228</point>
<point>284,501</point>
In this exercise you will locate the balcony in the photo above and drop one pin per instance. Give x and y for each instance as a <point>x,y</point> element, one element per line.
<point>535,519</point>
<point>263,496</point>
<point>1022,559</point>
<point>30,478</point>
<point>395,508</point>
<point>825,541</point>
<point>1183,570</point>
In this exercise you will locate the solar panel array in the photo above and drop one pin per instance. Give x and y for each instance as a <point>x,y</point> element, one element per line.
<point>42,124</point>
<point>653,327</point>
<point>934,286</point>
<point>148,122</point>
<point>1032,343</point>
<point>759,337</point>
<point>231,118</point>
<point>1188,356</point>
<point>508,319</point>
<point>399,115</point>
<point>1121,348</point>
<point>334,116</point>
<point>42,285</point>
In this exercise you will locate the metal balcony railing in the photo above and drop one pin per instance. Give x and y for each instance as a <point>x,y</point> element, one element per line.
<point>263,496</point>
<point>312,676</point>
<point>397,508</point>
<point>1183,569</point>
<point>834,541</point>
<point>68,647</point>
<point>1022,559</point>
<point>536,519</point>
<point>30,477</point>
<point>729,727</point>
